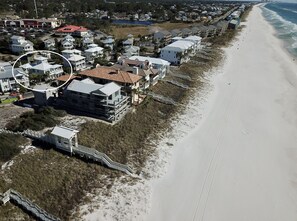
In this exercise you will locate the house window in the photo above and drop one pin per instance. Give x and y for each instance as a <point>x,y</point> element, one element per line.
<point>110,97</point>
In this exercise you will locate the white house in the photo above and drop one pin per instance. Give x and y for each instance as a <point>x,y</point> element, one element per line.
<point>196,40</point>
<point>68,42</point>
<point>93,52</point>
<point>7,81</point>
<point>77,61</point>
<point>132,51</point>
<point>160,64</point>
<point>40,66</point>
<point>177,52</point>
<point>69,38</point>
<point>49,44</point>
<point>20,45</point>
<point>108,42</point>
<point>87,40</point>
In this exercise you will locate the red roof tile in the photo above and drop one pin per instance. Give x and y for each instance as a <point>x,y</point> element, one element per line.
<point>112,74</point>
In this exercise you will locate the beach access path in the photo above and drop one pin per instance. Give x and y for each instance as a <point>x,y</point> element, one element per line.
<point>240,163</point>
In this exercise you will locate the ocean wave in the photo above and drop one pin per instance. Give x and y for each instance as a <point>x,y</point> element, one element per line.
<point>286,30</point>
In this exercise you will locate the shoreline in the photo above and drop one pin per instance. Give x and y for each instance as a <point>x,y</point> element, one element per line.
<point>212,201</point>
<point>147,203</point>
<point>275,34</point>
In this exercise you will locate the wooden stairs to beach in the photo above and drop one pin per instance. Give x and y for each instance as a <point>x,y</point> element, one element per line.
<point>95,155</point>
<point>26,205</point>
<point>80,150</point>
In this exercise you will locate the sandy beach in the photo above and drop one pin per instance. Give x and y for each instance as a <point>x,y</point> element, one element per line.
<point>233,154</point>
<point>240,162</point>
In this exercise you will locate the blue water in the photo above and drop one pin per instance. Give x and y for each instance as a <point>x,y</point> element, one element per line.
<point>129,22</point>
<point>283,16</point>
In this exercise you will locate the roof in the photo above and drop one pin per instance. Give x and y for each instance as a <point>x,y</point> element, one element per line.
<point>6,70</point>
<point>177,31</point>
<point>181,45</point>
<point>165,32</point>
<point>64,132</point>
<point>83,86</point>
<point>194,38</point>
<point>75,57</point>
<point>112,74</point>
<point>110,88</point>
<point>108,41</point>
<point>157,61</point>
<point>17,37</point>
<point>88,86</point>
<point>71,29</point>
<point>177,38</point>
<point>94,49</point>
<point>92,45</point>
<point>234,22</point>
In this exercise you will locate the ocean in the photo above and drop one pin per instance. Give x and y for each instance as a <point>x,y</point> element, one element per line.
<point>283,17</point>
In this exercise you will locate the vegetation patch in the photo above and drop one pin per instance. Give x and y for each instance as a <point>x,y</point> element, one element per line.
<point>9,145</point>
<point>41,118</point>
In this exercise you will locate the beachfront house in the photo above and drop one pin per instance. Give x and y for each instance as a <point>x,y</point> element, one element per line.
<point>77,61</point>
<point>186,32</point>
<point>162,36</point>
<point>234,23</point>
<point>176,33</point>
<point>178,52</point>
<point>20,45</point>
<point>222,26</point>
<point>7,81</point>
<point>150,76</point>
<point>196,31</point>
<point>41,66</point>
<point>104,101</point>
<point>156,63</point>
<point>212,30</point>
<point>130,83</point>
<point>196,40</point>
<point>203,31</point>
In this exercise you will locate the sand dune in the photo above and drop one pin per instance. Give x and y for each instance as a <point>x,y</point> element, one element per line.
<point>240,163</point>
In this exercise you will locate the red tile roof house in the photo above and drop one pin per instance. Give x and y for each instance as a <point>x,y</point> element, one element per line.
<point>129,82</point>
<point>73,30</point>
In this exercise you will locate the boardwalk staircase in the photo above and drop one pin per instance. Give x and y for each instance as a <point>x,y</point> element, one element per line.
<point>82,151</point>
<point>27,205</point>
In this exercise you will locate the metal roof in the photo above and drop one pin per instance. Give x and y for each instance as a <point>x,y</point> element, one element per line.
<point>64,132</point>
<point>157,61</point>
<point>83,86</point>
<point>110,88</point>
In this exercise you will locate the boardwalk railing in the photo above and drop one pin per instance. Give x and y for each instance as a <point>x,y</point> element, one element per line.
<point>95,155</point>
<point>27,205</point>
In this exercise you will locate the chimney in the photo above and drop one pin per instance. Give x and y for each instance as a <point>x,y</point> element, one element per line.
<point>135,70</point>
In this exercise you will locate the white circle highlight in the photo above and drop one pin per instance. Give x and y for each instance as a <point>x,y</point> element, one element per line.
<point>40,90</point>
